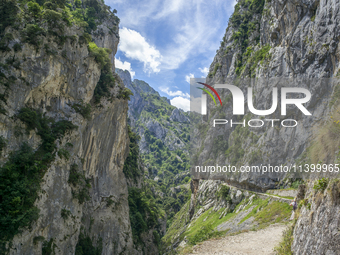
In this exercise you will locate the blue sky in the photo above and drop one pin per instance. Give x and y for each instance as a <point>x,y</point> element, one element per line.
<point>166,42</point>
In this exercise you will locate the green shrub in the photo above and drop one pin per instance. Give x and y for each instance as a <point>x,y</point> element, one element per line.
<point>31,34</point>
<point>85,38</point>
<point>125,94</point>
<point>63,153</point>
<point>8,14</point>
<point>3,143</point>
<point>156,238</point>
<point>223,191</point>
<point>85,246</point>
<point>83,194</point>
<point>48,5</point>
<point>34,10</point>
<point>244,23</point>
<point>144,212</point>
<point>78,3</point>
<point>217,65</point>
<point>285,246</point>
<point>205,233</point>
<point>259,56</point>
<point>69,145</point>
<point>296,184</point>
<point>101,55</point>
<point>303,202</point>
<point>75,176</point>
<point>62,127</point>
<point>65,214</point>
<point>186,179</point>
<point>321,185</point>
<point>106,80</point>
<point>29,117</point>
<point>84,109</point>
<point>109,202</point>
<point>49,51</point>
<point>81,185</point>
<point>60,3</point>
<point>37,239</point>
<point>131,168</point>
<point>48,247</point>
<point>53,19</point>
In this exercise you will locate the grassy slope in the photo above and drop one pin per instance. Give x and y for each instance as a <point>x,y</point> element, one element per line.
<point>266,212</point>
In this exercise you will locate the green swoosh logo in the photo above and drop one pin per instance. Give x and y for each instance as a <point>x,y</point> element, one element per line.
<point>206,91</point>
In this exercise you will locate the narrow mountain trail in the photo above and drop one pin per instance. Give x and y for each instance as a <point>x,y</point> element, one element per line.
<point>253,242</point>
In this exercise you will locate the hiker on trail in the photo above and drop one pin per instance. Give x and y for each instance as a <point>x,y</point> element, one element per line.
<point>294,204</point>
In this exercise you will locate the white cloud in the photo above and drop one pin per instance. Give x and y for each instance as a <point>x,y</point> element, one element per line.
<point>187,77</point>
<point>134,46</point>
<point>181,102</point>
<point>196,26</point>
<point>170,7</point>
<point>204,70</point>
<point>193,27</point>
<point>175,93</point>
<point>124,66</point>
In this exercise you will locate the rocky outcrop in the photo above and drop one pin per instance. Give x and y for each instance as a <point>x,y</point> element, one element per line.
<point>137,101</point>
<point>317,228</point>
<point>303,39</point>
<point>177,115</point>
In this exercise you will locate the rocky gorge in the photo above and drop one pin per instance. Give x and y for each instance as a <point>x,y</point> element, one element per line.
<point>93,162</point>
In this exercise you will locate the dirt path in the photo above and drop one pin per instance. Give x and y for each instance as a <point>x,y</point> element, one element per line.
<point>254,242</point>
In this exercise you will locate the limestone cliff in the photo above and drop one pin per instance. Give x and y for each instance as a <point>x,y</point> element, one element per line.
<point>317,225</point>
<point>276,42</point>
<point>279,43</point>
<point>51,68</point>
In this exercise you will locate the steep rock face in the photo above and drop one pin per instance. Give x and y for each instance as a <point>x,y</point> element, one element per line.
<point>303,36</point>
<point>279,43</point>
<point>317,228</point>
<point>177,115</point>
<point>137,102</point>
<point>103,163</point>
<point>52,83</point>
<point>283,39</point>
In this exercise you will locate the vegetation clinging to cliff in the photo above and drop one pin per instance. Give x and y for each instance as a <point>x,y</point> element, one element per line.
<point>131,168</point>
<point>245,22</point>
<point>85,246</point>
<point>21,175</point>
<point>144,212</point>
<point>40,21</point>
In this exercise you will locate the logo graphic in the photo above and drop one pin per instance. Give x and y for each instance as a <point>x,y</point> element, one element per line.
<point>238,99</point>
<point>213,90</point>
